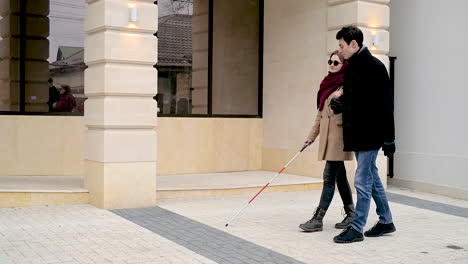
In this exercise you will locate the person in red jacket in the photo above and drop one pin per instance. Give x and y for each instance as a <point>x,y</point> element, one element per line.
<point>67,101</point>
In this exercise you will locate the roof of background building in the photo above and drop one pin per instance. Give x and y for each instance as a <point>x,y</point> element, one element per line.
<point>72,60</point>
<point>65,52</point>
<point>175,40</point>
<point>174,45</point>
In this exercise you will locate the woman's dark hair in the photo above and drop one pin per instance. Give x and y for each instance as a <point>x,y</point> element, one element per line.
<point>349,34</point>
<point>66,88</point>
<point>337,53</point>
<point>50,80</point>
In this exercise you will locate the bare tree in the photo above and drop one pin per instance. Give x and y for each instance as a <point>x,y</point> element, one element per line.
<point>168,7</point>
<point>181,6</point>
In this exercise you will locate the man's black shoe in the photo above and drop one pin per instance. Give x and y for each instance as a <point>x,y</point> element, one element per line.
<point>380,229</point>
<point>349,235</point>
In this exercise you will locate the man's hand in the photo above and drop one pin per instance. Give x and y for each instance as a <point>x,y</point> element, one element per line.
<point>389,148</point>
<point>337,94</point>
<point>308,142</point>
<point>337,105</point>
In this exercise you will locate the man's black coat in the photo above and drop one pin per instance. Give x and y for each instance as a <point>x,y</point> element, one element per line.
<point>368,119</point>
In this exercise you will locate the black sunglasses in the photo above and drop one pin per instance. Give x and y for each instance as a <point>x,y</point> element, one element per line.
<point>336,63</point>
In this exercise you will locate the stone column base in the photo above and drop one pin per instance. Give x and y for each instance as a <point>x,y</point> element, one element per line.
<point>121,185</point>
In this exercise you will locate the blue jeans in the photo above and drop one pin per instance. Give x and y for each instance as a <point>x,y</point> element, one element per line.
<point>368,184</point>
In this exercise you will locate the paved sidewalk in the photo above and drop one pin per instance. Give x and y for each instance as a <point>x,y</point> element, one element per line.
<point>423,236</point>
<point>82,234</point>
<point>430,229</point>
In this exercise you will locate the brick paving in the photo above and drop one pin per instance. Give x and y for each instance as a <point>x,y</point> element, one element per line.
<point>430,229</point>
<point>423,235</point>
<point>82,234</point>
<point>207,241</point>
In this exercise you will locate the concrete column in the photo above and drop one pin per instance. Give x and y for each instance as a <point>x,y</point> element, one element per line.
<point>373,18</point>
<point>120,113</point>
<point>200,45</point>
<point>37,53</point>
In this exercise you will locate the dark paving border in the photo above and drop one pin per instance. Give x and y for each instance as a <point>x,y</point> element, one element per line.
<point>428,205</point>
<point>202,239</point>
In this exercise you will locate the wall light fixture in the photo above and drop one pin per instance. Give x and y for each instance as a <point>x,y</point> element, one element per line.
<point>133,14</point>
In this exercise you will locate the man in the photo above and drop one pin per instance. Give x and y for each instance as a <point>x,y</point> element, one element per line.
<point>54,95</point>
<point>368,125</point>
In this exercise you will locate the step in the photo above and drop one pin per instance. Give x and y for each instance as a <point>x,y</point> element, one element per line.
<point>230,183</point>
<point>18,191</point>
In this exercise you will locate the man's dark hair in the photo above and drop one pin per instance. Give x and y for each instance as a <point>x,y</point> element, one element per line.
<point>50,80</point>
<point>349,34</point>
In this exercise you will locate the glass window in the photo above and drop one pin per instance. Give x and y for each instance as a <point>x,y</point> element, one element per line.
<point>42,56</point>
<point>9,57</point>
<point>235,57</point>
<point>66,55</point>
<point>208,57</point>
<point>182,57</point>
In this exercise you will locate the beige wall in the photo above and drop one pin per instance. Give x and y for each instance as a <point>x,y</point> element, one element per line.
<point>198,145</point>
<point>54,145</point>
<point>295,48</point>
<point>430,96</point>
<point>35,145</point>
<point>235,57</point>
<point>294,64</point>
<point>298,37</point>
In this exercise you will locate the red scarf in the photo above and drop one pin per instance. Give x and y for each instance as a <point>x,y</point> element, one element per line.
<point>330,84</point>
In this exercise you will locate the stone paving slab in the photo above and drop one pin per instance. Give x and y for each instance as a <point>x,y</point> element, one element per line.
<point>428,231</point>
<point>430,197</point>
<point>207,241</point>
<point>423,236</point>
<point>429,205</point>
<point>82,234</point>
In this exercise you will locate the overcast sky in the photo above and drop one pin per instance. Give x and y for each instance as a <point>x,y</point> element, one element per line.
<point>66,25</point>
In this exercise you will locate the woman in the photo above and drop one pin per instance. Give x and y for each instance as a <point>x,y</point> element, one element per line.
<point>66,102</point>
<point>329,126</point>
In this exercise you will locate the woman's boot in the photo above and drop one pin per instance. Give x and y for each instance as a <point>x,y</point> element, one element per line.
<point>350,213</point>
<point>314,224</point>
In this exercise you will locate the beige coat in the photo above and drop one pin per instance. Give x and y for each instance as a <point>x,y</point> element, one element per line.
<point>330,128</point>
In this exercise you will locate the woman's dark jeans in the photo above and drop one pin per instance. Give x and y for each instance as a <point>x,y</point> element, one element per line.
<point>335,171</point>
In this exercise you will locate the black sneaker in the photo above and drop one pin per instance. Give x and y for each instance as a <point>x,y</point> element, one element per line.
<point>349,235</point>
<point>380,229</point>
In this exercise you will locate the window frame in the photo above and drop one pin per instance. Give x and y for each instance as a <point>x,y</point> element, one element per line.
<point>22,72</point>
<point>210,70</point>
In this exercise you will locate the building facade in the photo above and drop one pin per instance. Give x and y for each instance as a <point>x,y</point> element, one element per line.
<point>245,80</point>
